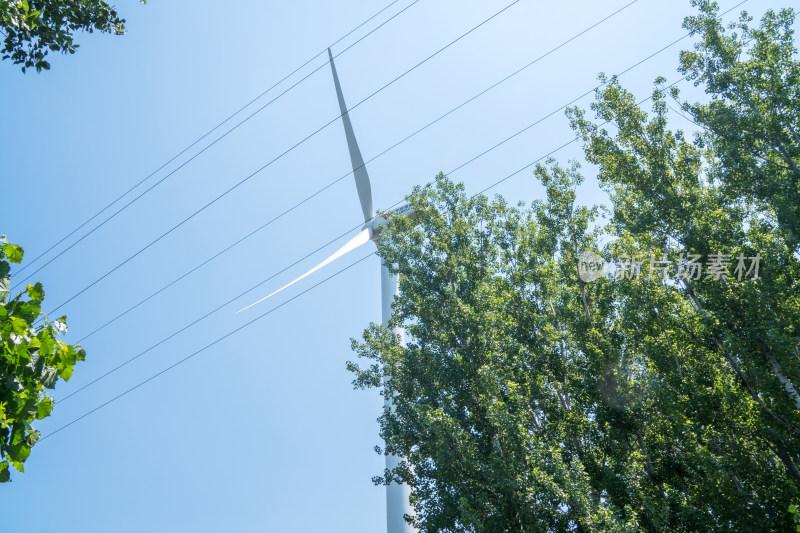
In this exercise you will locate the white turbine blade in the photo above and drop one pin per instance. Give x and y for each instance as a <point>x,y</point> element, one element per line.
<point>351,245</point>
<point>359,170</point>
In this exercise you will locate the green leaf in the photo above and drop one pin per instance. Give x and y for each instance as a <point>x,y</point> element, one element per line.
<point>49,377</point>
<point>18,325</point>
<point>5,475</point>
<point>66,372</point>
<point>17,464</point>
<point>19,453</point>
<point>13,252</point>
<point>29,408</point>
<point>33,438</point>
<point>35,292</point>
<point>44,408</point>
<point>47,342</point>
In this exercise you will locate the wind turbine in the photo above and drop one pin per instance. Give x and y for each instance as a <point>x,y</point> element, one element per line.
<point>397,496</point>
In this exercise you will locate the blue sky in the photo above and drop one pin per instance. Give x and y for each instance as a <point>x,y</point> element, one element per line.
<point>262,431</point>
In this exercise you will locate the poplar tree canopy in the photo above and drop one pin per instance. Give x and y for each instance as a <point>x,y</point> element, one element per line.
<point>633,372</point>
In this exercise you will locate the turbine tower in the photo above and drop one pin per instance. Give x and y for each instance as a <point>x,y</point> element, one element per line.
<point>397,496</point>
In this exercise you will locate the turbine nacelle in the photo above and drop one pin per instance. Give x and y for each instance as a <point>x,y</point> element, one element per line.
<point>378,221</point>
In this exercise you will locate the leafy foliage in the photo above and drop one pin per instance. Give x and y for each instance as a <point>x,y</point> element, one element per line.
<point>528,399</point>
<point>32,28</point>
<point>795,515</point>
<point>33,359</point>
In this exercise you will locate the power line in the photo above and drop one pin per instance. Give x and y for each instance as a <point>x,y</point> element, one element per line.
<point>231,189</point>
<point>245,106</point>
<point>321,282</point>
<point>185,274</point>
<point>316,193</point>
<point>583,95</point>
<point>287,301</point>
<point>545,117</point>
<point>576,99</point>
<point>392,147</point>
<point>216,341</point>
<point>214,142</point>
<point>495,146</point>
<point>209,313</point>
<point>184,328</point>
<point>209,132</point>
<point>495,184</point>
<point>204,348</point>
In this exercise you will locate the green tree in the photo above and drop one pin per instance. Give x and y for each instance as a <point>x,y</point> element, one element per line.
<point>33,359</point>
<point>530,399</point>
<point>32,28</point>
<point>485,414</point>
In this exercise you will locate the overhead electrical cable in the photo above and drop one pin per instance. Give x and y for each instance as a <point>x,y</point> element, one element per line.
<point>349,172</point>
<point>219,339</point>
<point>348,231</point>
<point>209,313</point>
<point>214,142</point>
<point>563,107</point>
<point>206,347</point>
<point>588,92</point>
<point>185,274</point>
<point>575,139</point>
<point>238,184</point>
<point>518,171</point>
<point>497,145</point>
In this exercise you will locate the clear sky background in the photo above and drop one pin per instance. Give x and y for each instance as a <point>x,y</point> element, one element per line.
<point>263,431</point>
